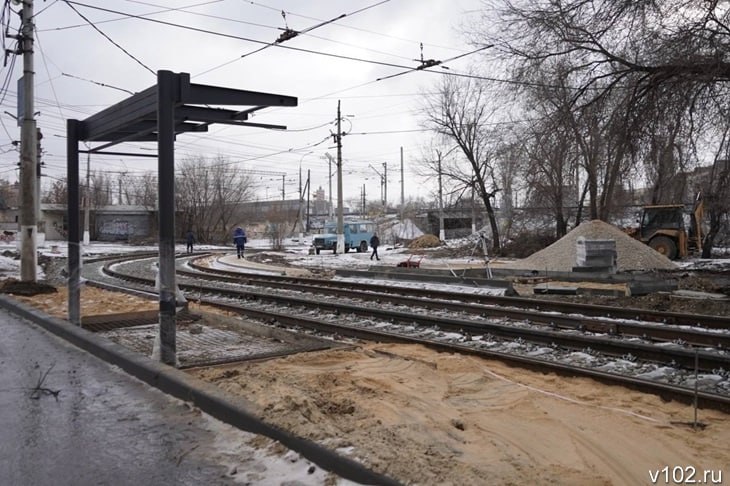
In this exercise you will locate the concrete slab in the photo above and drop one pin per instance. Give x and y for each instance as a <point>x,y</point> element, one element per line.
<point>214,339</point>
<point>694,294</point>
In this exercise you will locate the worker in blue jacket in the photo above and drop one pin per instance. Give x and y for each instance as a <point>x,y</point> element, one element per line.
<point>239,239</point>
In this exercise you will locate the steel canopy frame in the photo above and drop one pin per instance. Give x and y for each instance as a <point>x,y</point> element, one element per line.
<point>159,113</point>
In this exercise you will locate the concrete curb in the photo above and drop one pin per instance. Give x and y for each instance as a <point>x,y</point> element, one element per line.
<point>425,275</point>
<point>206,397</point>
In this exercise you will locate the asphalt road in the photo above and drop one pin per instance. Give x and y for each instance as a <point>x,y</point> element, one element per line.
<point>68,418</point>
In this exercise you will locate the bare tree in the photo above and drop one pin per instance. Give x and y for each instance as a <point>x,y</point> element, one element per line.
<point>277,225</point>
<point>142,190</point>
<point>460,113</point>
<point>642,44</point>
<point>100,189</point>
<point>646,83</point>
<point>57,193</point>
<point>208,194</point>
<point>549,173</point>
<point>717,194</point>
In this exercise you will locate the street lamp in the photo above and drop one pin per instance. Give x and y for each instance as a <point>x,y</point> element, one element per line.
<point>383,185</point>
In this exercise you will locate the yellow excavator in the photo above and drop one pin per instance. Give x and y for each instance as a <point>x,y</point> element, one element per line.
<point>662,227</point>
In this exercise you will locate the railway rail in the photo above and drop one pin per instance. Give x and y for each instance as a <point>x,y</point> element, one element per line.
<point>468,335</point>
<point>465,303</point>
<point>502,327</point>
<point>463,335</point>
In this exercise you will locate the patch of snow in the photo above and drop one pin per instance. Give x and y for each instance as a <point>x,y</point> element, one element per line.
<point>658,373</point>
<point>581,356</point>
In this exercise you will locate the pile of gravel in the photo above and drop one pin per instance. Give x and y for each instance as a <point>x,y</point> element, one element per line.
<point>561,255</point>
<point>425,241</point>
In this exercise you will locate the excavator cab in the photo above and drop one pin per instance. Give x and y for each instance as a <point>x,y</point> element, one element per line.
<point>662,228</point>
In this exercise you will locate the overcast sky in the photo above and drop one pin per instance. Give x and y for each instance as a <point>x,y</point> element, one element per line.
<point>384,113</point>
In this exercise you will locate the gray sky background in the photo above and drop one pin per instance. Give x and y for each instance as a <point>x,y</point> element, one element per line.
<point>385,113</point>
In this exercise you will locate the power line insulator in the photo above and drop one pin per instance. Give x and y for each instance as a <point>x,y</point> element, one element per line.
<point>286,35</point>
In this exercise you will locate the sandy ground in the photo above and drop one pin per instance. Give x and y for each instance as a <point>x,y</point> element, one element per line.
<point>434,418</point>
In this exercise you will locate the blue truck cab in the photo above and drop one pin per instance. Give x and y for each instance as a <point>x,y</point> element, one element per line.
<point>357,236</point>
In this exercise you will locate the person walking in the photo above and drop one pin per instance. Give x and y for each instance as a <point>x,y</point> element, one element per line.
<point>375,242</point>
<point>190,239</point>
<point>239,239</point>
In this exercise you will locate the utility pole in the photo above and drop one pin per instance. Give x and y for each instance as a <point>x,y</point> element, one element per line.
<point>331,208</point>
<point>301,204</point>
<point>283,186</point>
<point>28,155</point>
<point>402,187</point>
<point>385,188</point>
<point>308,188</point>
<point>473,210</point>
<point>442,231</point>
<point>340,217</point>
<point>39,162</point>
<point>87,199</point>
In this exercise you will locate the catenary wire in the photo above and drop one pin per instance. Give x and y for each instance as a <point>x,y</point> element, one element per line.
<point>109,38</point>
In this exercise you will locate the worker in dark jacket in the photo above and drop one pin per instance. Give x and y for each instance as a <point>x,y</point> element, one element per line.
<point>239,239</point>
<point>375,242</point>
<point>190,239</point>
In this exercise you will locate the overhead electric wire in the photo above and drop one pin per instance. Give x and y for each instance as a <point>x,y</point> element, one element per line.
<point>184,9</point>
<point>98,83</point>
<point>384,132</point>
<point>292,34</point>
<point>345,25</point>
<point>109,38</point>
<point>261,42</point>
<point>126,17</point>
<point>432,63</point>
<point>43,58</point>
<point>36,14</point>
<point>247,39</point>
<point>8,75</point>
<point>320,53</point>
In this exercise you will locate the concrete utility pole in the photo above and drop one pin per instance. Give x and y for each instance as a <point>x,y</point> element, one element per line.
<point>330,212</point>
<point>442,231</point>
<point>385,188</point>
<point>87,200</point>
<point>308,184</point>
<point>301,202</point>
<point>39,151</point>
<point>340,216</point>
<point>28,153</point>
<point>402,187</point>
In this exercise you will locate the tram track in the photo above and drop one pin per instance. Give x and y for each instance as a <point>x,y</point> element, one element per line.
<point>485,324</point>
<point>479,335</point>
<point>328,285</point>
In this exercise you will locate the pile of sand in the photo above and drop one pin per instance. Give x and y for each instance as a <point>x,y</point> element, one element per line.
<point>561,255</point>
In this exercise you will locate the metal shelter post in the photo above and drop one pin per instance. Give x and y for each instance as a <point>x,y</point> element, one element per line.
<point>158,113</point>
<point>74,251</point>
<point>166,98</point>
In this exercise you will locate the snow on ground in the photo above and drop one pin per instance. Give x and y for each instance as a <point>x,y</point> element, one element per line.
<point>297,252</point>
<point>10,267</point>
